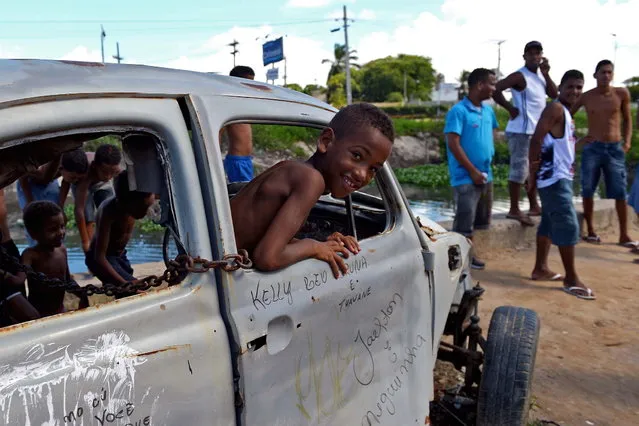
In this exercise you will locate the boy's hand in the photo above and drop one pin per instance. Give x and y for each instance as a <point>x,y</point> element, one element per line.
<point>347,241</point>
<point>329,252</point>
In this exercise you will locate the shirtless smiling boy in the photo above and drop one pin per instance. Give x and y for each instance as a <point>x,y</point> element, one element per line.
<point>269,211</point>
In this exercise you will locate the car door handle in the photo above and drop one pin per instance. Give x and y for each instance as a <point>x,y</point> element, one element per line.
<point>279,333</point>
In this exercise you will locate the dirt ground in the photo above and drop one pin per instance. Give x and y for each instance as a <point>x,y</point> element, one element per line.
<point>587,368</point>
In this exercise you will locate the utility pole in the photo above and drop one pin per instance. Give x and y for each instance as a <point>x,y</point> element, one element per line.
<point>235,51</point>
<point>499,43</point>
<point>285,71</point>
<point>349,95</point>
<point>118,57</point>
<point>405,89</point>
<point>102,36</point>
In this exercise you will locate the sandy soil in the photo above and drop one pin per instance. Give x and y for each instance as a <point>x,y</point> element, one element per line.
<point>587,369</point>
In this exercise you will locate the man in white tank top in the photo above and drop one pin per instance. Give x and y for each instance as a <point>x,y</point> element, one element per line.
<point>552,159</point>
<point>529,87</point>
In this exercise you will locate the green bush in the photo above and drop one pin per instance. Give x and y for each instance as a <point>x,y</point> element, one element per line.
<point>415,110</point>
<point>395,97</point>
<point>436,175</point>
<point>279,137</point>
<point>91,146</point>
<point>409,127</point>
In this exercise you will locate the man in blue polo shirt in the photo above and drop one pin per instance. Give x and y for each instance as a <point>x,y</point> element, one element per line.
<point>469,134</point>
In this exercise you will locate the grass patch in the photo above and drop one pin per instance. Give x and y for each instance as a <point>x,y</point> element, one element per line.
<point>437,176</point>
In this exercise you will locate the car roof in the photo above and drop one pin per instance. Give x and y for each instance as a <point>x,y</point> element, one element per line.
<point>23,80</point>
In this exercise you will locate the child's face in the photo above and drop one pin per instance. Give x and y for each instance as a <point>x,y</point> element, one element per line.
<point>106,172</point>
<point>138,206</point>
<point>72,177</point>
<point>52,232</point>
<point>351,163</point>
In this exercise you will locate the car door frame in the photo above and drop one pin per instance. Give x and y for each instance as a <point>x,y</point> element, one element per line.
<point>178,330</point>
<point>248,328</point>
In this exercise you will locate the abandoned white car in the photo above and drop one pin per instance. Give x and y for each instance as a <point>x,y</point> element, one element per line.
<point>213,341</point>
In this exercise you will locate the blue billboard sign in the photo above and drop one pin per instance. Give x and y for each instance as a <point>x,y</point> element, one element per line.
<point>273,51</point>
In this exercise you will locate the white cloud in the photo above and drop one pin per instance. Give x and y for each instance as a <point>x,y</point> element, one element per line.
<point>304,56</point>
<point>576,34</point>
<point>82,53</point>
<point>308,3</point>
<point>10,51</point>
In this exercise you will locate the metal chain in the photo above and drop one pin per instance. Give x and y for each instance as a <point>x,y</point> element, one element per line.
<point>176,271</point>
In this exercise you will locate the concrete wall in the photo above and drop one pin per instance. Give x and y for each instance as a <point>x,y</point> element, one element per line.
<point>508,233</point>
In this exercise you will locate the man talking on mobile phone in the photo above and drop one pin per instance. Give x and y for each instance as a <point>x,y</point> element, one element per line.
<point>529,87</point>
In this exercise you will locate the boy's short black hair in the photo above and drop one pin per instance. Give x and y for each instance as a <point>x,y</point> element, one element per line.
<point>121,187</point>
<point>37,212</point>
<point>356,116</point>
<point>107,154</point>
<point>242,71</point>
<point>479,75</point>
<point>603,63</point>
<point>75,161</point>
<point>571,74</point>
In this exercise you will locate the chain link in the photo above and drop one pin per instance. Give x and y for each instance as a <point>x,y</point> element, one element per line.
<point>175,272</point>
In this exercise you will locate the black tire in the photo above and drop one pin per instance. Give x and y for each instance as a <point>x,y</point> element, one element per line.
<point>507,373</point>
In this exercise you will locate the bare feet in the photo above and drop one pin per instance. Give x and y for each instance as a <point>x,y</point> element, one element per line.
<point>524,219</point>
<point>545,275</point>
<point>534,211</point>
<point>579,289</point>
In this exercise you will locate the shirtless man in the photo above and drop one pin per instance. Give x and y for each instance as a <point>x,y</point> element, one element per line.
<point>238,162</point>
<point>270,210</point>
<point>116,217</point>
<point>529,87</point>
<point>607,142</point>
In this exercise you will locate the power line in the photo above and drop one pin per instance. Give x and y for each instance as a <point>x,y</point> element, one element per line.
<point>134,21</point>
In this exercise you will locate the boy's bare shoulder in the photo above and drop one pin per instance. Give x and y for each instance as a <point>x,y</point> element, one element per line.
<point>296,172</point>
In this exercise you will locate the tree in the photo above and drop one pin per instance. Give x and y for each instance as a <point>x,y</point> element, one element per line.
<point>338,63</point>
<point>312,89</point>
<point>381,77</point>
<point>294,86</point>
<point>462,90</point>
<point>336,91</point>
<point>633,87</point>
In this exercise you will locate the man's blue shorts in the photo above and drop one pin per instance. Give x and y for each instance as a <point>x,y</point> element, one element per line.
<point>633,198</point>
<point>609,158</point>
<point>239,168</point>
<point>558,215</point>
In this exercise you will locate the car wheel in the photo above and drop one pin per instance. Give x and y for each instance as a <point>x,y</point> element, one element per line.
<point>509,361</point>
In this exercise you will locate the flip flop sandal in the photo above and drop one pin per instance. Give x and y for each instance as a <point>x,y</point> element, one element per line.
<point>578,292</point>
<point>556,277</point>
<point>630,244</point>
<point>593,239</point>
<point>523,219</point>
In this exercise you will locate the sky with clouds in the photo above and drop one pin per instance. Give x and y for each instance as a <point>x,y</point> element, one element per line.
<point>456,34</point>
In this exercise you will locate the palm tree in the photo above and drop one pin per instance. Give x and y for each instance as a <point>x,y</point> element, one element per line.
<point>462,90</point>
<point>338,65</point>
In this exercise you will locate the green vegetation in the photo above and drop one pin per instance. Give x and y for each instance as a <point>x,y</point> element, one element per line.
<point>436,175</point>
<point>271,137</point>
<point>145,225</point>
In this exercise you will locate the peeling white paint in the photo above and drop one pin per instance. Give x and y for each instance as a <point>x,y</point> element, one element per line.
<point>49,381</point>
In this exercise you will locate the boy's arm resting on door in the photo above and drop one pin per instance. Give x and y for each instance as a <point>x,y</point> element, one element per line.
<point>276,249</point>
